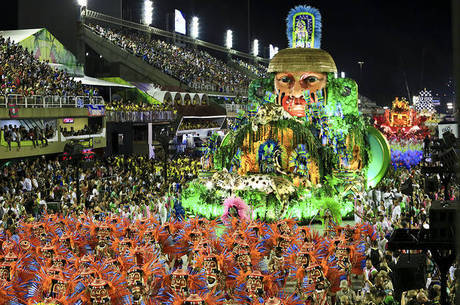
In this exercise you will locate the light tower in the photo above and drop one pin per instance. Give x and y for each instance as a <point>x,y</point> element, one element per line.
<point>255,47</point>
<point>229,39</point>
<point>194,28</point>
<point>148,12</point>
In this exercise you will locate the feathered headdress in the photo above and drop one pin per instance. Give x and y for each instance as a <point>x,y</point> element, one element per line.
<point>304,27</point>
<point>239,204</point>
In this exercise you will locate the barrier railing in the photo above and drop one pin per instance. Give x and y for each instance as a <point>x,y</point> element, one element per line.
<point>139,116</point>
<point>54,101</point>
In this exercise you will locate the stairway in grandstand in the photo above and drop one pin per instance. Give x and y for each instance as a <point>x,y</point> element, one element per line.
<point>115,54</point>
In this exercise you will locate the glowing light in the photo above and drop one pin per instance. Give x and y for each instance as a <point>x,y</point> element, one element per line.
<point>82,3</point>
<point>342,74</point>
<point>194,27</point>
<point>179,22</point>
<point>255,47</point>
<point>148,12</point>
<point>450,106</point>
<point>229,39</point>
<point>272,50</point>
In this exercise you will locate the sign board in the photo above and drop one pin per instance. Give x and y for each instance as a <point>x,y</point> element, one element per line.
<point>452,127</point>
<point>179,22</point>
<point>96,110</point>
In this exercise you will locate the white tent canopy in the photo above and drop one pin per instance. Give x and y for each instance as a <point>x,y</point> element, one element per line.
<point>18,35</point>
<point>91,81</point>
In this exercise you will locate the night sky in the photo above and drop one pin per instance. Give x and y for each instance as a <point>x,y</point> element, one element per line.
<point>397,40</point>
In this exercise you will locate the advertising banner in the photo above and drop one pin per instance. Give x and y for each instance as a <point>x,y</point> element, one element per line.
<point>179,22</point>
<point>452,127</point>
<point>96,110</point>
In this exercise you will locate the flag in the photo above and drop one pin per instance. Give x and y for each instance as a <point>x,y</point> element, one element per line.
<point>14,110</point>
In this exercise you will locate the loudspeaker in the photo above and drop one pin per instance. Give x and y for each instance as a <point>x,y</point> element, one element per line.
<point>449,159</point>
<point>449,138</point>
<point>442,221</point>
<point>409,273</point>
<point>431,184</point>
<point>73,149</point>
<point>406,187</point>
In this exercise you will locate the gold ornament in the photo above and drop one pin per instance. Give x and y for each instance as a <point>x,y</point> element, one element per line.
<point>302,59</point>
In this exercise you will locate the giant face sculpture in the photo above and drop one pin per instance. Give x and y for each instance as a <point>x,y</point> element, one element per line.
<point>292,86</point>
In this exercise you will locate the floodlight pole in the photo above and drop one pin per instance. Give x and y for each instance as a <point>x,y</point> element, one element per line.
<point>360,63</point>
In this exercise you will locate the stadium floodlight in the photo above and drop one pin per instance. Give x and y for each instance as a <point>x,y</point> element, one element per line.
<point>148,12</point>
<point>272,51</point>
<point>83,3</point>
<point>229,39</point>
<point>342,74</point>
<point>255,47</point>
<point>194,28</point>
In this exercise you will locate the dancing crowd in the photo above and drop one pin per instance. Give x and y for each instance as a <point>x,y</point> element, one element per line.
<point>168,256</point>
<point>21,73</point>
<point>190,66</point>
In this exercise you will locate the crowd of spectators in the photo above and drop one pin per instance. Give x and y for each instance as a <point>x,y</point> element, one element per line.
<point>388,209</point>
<point>86,130</point>
<point>21,73</point>
<point>202,124</point>
<point>17,134</point>
<point>122,105</point>
<point>126,185</point>
<point>257,69</point>
<point>190,66</point>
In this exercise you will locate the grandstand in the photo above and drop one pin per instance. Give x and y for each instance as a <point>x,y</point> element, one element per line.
<point>169,54</point>
<point>156,77</point>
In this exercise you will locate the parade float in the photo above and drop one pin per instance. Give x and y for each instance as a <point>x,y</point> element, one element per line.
<point>405,129</point>
<point>302,149</point>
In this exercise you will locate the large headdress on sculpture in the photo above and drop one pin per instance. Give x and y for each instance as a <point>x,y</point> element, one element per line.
<point>304,53</point>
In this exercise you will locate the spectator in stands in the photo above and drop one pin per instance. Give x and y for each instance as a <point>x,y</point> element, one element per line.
<point>196,68</point>
<point>34,134</point>
<point>16,137</point>
<point>21,73</point>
